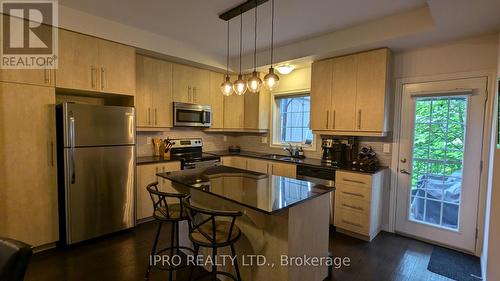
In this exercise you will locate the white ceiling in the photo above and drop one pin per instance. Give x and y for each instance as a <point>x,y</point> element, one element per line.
<point>196,22</point>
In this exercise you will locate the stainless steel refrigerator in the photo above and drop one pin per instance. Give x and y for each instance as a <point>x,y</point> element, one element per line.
<point>96,170</point>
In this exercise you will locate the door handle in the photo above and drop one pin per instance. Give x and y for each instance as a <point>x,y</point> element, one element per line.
<point>333,121</point>
<point>72,148</point>
<point>404,171</point>
<point>92,76</point>
<point>156,117</point>
<point>195,98</point>
<point>327,117</point>
<point>359,119</point>
<point>189,93</point>
<point>46,76</point>
<point>103,78</point>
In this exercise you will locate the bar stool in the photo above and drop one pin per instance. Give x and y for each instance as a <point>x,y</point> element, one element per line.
<point>205,230</point>
<point>167,213</point>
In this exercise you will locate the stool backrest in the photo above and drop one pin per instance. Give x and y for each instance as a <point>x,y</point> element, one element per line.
<point>159,199</point>
<point>14,259</point>
<point>199,217</point>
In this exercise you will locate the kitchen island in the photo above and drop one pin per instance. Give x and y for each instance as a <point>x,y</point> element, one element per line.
<point>285,221</point>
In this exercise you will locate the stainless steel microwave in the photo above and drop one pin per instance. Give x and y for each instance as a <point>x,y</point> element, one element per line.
<point>192,115</point>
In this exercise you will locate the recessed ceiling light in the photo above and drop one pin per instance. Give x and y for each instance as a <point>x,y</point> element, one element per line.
<point>285,69</point>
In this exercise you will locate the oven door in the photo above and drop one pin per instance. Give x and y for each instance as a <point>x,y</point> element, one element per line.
<point>192,115</point>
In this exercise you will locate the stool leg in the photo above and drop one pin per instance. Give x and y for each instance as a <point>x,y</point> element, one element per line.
<point>172,238</point>
<point>214,267</point>
<point>153,250</point>
<point>236,267</point>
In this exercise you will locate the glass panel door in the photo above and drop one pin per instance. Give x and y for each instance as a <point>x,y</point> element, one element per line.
<point>438,153</point>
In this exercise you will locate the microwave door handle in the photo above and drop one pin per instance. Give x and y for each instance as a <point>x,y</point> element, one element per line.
<point>206,117</point>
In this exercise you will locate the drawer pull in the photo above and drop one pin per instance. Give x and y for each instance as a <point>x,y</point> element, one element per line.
<point>355,181</point>
<point>351,223</point>
<point>354,194</point>
<point>352,207</point>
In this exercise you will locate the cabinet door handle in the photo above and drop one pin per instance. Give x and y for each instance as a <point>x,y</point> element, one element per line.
<point>156,117</point>
<point>354,181</point>
<point>351,223</point>
<point>195,96</point>
<point>352,207</point>
<point>149,116</point>
<point>327,117</point>
<point>92,76</point>
<point>353,194</point>
<point>189,93</point>
<point>103,78</point>
<point>333,121</point>
<point>46,76</point>
<point>359,119</point>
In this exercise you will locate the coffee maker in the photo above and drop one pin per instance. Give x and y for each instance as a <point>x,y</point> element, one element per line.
<point>337,151</point>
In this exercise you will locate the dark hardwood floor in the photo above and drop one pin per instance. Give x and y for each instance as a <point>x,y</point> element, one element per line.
<point>123,257</point>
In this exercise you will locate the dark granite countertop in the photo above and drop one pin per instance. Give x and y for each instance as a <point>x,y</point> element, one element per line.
<point>142,160</point>
<point>304,161</point>
<point>261,192</point>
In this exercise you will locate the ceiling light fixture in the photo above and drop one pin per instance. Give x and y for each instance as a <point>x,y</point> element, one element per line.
<point>285,69</point>
<point>227,87</point>
<point>271,80</point>
<point>240,85</point>
<point>254,83</point>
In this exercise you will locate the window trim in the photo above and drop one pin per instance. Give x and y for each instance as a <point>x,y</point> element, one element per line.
<point>274,131</point>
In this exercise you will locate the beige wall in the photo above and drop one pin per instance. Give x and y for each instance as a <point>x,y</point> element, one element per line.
<point>491,254</point>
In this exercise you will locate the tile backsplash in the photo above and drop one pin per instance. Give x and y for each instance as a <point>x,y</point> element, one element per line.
<point>215,141</point>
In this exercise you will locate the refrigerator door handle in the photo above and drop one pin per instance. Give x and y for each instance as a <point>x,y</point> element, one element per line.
<point>72,147</point>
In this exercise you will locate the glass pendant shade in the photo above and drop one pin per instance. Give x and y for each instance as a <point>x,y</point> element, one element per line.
<point>254,83</point>
<point>240,86</point>
<point>227,87</point>
<point>271,80</point>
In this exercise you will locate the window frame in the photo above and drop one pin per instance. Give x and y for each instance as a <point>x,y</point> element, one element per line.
<point>275,120</point>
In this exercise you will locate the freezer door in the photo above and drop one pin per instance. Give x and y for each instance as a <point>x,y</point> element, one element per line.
<point>97,125</point>
<point>99,191</point>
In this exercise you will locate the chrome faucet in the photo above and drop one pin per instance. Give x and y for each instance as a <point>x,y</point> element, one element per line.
<point>294,151</point>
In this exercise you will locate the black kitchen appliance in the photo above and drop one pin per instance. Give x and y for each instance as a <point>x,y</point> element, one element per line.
<point>338,152</point>
<point>190,152</point>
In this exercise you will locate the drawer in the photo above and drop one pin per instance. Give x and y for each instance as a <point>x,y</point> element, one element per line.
<point>352,203</point>
<point>352,221</point>
<point>356,179</point>
<point>352,191</point>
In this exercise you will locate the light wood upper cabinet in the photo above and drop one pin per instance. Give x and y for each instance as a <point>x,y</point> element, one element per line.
<point>40,77</point>
<point>28,182</point>
<point>234,112</point>
<point>344,94</point>
<point>356,99</point>
<point>154,93</point>
<point>117,68</point>
<point>191,84</point>
<point>372,98</point>
<point>87,63</point>
<point>256,115</point>
<point>78,61</point>
<point>321,95</point>
<point>216,100</point>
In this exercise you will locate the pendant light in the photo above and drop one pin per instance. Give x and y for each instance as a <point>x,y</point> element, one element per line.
<point>271,80</point>
<point>227,87</point>
<point>240,85</point>
<point>254,83</point>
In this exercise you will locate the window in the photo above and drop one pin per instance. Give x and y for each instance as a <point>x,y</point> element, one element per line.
<point>292,119</point>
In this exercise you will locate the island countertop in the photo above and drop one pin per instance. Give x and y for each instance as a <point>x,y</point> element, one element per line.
<point>261,192</point>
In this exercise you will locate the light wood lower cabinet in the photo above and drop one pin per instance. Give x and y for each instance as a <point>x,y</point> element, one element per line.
<point>146,174</point>
<point>358,203</point>
<point>28,183</point>
<point>261,166</point>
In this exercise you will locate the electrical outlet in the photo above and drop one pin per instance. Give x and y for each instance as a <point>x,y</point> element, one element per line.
<point>225,138</point>
<point>387,147</point>
<point>264,140</point>
<point>149,140</point>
